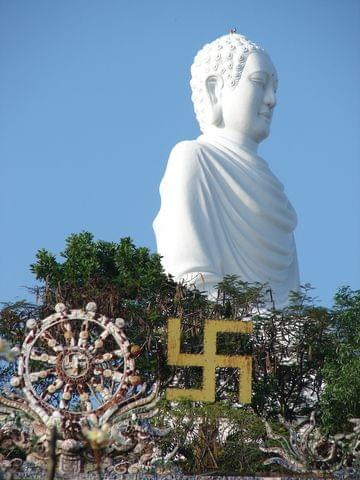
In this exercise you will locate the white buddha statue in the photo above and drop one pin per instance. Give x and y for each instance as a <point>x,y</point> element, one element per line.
<point>222,210</point>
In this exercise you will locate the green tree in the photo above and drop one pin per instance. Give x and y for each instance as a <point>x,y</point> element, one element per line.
<point>340,400</point>
<point>112,274</point>
<point>213,437</point>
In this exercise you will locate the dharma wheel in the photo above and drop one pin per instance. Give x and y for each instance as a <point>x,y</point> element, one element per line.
<point>76,362</point>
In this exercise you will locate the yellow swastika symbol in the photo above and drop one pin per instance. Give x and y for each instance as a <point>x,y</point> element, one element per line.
<point>209,360</point>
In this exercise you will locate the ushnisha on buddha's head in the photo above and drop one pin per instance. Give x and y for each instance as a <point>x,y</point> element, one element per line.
<point>234,84</point>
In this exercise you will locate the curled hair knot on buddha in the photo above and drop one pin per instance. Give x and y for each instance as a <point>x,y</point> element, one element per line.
<point>223,59</point>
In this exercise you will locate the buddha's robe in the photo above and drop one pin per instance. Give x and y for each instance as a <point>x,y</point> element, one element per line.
<point>224,212</point>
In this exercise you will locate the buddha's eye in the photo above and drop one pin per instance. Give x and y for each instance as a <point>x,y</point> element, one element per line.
<point>260,82</point>
<point>259,78</point>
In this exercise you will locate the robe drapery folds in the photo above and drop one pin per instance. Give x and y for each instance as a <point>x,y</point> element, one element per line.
<point>224,212</point>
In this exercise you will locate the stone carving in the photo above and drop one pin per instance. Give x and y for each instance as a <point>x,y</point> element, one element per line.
<point>209,360</point>
<point>222,210</point>
<point>308,451</point>
<point>76,373</point>
<point>9,467</point>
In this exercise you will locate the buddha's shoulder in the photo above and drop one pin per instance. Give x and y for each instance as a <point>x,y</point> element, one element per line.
<point>186,147</point>
<point>186,154</point>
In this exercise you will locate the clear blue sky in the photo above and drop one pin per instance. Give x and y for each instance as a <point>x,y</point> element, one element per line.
<point>94,94</point>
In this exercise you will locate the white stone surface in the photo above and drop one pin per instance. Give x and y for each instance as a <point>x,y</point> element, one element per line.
<point>222,209</point>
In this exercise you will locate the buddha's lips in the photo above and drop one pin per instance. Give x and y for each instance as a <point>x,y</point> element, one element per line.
<point>266,115</point>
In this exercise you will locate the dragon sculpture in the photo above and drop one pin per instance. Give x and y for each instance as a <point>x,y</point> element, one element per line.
<point>306,450</point>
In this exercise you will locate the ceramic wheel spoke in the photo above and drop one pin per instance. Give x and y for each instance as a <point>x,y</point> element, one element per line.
<point>42,374</point>
<point>52,388</point>
<point>94,393</point>
<point>69,334</point>
<point>108,356</point>
<point>66,396</point>
<point>105,394</point>
<point>43,357</point>
<point>51,341</point>
<point>84,335</point>
<point>98,345</point>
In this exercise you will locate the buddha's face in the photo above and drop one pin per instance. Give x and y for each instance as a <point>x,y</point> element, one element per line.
<point>247,109</point>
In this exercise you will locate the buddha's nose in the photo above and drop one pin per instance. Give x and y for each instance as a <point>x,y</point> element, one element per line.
<point>270,97</point>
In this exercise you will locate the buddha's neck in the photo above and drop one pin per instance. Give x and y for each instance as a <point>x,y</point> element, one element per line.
<point>238,138</point>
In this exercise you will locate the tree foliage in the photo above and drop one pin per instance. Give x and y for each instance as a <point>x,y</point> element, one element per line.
<point>213,437</point>
<point>340,399</point>
<point>112,273</point>
<point>304,357</point>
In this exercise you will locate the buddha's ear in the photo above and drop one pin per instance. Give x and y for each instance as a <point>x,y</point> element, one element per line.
<point>213,86</point>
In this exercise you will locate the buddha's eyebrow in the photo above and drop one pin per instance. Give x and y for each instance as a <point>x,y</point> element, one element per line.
<point>264,76</point>
<point>259,71</point>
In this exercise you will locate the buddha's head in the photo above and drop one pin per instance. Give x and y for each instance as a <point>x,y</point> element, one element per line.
<point>234,86</point>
